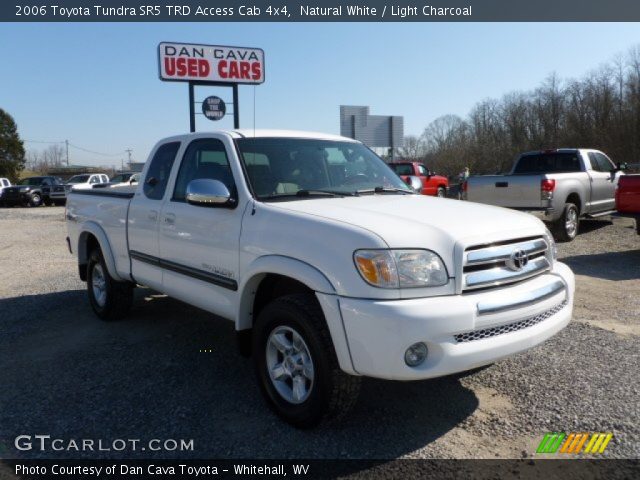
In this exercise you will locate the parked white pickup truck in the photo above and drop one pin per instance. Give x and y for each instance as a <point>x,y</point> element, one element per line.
<point>558,186</point>
<point>329,265</point>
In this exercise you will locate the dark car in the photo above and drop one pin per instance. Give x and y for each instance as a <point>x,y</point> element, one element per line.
<point>29,192</point>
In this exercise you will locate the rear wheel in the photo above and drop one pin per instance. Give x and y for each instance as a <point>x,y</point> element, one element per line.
<point>35,200</point>
<point>109,299</point>
<point>441,192</point>
<point>566,228</point>
<point>295,363</point>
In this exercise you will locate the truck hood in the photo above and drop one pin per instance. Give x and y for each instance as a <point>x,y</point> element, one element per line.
<point>417,221</point>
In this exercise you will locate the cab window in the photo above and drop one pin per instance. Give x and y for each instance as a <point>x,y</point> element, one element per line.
<point>204,158</point>
<point>158,174</point>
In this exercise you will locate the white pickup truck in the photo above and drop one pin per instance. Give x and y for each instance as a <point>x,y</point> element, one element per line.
<point>330,267</point>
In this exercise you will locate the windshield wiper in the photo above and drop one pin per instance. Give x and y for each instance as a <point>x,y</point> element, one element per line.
<point>309,193</point>
<point>384,190</point>
<point>331,193</point>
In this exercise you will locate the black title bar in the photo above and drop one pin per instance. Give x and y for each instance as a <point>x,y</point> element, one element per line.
<point>321,11</point>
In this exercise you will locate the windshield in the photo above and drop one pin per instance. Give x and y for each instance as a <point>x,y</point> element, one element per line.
<point>286,167</point>
<point>79,179</point>
<point>33,181</point>
<point>123,177</point>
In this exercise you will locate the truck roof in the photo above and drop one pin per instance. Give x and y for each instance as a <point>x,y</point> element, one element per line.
<point>250,133</point>
<point>261,133</point>
<point>558,150</point>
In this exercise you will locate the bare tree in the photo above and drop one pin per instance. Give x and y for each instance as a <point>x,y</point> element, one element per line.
<point>413,148</point>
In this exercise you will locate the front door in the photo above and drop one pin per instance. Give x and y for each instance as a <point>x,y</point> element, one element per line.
<point>199,244</point>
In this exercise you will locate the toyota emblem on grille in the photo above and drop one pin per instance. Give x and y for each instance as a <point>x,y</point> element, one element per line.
<point>518,260</point>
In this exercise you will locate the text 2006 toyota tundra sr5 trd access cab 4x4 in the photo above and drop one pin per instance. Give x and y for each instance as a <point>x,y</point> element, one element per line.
<point>329,265</point>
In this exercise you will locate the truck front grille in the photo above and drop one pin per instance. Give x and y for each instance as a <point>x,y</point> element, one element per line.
<point>509,327</point>
<point>496,264</point>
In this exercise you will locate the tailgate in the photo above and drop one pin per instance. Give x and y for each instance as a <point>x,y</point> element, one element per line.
<point>513,191</point>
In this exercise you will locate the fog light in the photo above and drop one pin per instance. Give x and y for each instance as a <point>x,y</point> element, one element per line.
<point>415,354</point>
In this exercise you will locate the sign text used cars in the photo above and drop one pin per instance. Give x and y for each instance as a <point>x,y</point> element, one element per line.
<point>210,63</point>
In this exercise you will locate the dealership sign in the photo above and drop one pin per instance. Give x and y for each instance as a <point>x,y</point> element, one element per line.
<point>214,108</point>
<point>210,63</point>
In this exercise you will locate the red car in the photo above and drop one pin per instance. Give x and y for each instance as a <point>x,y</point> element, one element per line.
<point>432,184</point>
<point>628,198</point>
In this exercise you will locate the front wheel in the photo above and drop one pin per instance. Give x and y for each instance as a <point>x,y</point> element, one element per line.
<point>109,298</point>
<point>296,365</point>
<point>566,228</point>
<point>441,192</point>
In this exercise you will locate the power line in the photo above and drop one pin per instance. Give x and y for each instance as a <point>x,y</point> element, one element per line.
<point>97,153</point>
<point>40,141</point>
<point>69,144</point>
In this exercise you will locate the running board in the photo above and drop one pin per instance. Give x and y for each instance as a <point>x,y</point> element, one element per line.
<point>600,214</point>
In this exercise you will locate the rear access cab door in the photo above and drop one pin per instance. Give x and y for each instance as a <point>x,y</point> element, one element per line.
<point>604,180</point>
<point>144,215</point>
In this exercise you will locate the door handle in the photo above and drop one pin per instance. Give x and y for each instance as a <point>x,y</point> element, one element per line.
<point>170,219</point>
<point>153,215</point>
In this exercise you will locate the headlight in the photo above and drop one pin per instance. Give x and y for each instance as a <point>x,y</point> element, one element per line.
<point>553,249</point>
<point>401,268</point>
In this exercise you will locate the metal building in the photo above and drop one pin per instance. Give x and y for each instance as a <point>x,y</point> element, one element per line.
<point>372,130</point>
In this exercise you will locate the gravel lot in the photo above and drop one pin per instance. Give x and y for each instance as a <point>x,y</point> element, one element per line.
<point>66,374</point>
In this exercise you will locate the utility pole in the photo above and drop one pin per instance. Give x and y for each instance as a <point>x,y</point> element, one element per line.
<point>128,150</point>
<point>66,142</point>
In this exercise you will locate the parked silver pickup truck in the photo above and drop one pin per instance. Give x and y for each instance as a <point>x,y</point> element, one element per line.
<point>558,186</point>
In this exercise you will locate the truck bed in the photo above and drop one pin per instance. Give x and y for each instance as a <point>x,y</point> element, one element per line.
<point>513,191</point>
<point>109,207</point>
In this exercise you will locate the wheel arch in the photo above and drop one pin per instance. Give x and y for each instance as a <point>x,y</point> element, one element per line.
<point>93,235</point>
<point>574,197</point>
<point>266,271</point>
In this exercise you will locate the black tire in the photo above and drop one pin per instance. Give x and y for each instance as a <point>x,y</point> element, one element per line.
<point>561,228</point>
<point>332,392</point>
<point>35,200</point>
<point>441,192</point>
<point>118,296</point>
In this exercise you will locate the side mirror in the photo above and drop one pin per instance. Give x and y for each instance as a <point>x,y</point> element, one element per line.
<point>415,183</point>
<point>206,192</point>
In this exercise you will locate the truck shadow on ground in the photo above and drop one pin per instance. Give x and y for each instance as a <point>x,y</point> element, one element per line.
<point>590,225</point>
<point>170,371</point>
<point>608,266</point>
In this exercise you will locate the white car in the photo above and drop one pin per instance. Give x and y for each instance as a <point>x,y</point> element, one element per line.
<point>86,181</point>
<point>123,179</point>
<point>328,265</point>
<point>4,182</point>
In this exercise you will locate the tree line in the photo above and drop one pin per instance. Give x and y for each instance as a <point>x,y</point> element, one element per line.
<point>600,110</point>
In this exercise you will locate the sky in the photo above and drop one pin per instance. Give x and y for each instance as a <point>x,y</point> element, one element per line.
<point>97,85</point>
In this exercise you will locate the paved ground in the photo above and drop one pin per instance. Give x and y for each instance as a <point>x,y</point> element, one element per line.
<point>66,374</point>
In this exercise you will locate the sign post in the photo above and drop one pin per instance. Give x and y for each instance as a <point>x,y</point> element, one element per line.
<point>212,65</point>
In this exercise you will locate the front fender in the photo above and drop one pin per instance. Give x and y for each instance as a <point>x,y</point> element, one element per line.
<point>309,276</point>
<point>279,265</point>
<point>92,228</point>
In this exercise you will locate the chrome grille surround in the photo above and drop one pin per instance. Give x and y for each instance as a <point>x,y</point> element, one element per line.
<point>487,266</point>
<point>509,327</point>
